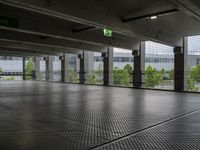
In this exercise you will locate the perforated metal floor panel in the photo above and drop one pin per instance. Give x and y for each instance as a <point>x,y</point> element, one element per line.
<point>55,116</point>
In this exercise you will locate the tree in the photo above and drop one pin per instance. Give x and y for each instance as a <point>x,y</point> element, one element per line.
<point>11,78</point>
<point>29,68</point>
<point>171,74</point>
<point>129,68</point>
<point>192,78</point>
<point>153,77</point>
<point>7,78</point>
<point>121,76</point>
<point>73,77</point>
<point>99,72</point>
<point>92,78</point>
<point>195,73</point>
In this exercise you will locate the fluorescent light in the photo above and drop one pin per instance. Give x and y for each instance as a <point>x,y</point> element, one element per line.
<point>153,17</point>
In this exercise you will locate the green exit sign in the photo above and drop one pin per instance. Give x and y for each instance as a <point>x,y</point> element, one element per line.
<point>9,22</point>
<point>107,32</point>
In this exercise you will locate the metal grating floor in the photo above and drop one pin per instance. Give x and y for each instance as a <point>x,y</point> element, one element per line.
<point>55,116</point>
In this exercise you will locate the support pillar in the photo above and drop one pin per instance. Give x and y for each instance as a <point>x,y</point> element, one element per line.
<point>139,66</point>
<point>88,64</point>
<point>24,68</point>
<point>37,67</point>
<point>49,68</point>
<point>186,66</point>
<point>64,67</point>
<point>178,69</point>
<point>82,69</point>
<point>108,67</point>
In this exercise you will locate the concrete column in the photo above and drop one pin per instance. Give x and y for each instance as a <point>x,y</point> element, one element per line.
<point>64,67</point>
<point>178,69</point>
<point>88,63</point>
<point>137,72</point>
<point>108,66</point>
<point>186,66</point>
<point>82,69</point>
<point>37,67</point>
<point>139,66</point>
<point>49,68</point>
<point>24,68</point>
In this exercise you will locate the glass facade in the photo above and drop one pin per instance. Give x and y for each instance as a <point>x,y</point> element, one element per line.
<point>73,61</point>
<point>94,68</point>
<point>56,68</point>
<point>10,65</point>
<point>193,68</point>
<point>122,67</point>
<point>159,66</point>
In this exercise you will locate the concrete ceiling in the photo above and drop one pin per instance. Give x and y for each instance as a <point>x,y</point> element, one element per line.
<point>77,24</point>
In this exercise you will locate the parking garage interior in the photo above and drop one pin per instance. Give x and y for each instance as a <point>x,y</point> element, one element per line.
<point>99,75</point>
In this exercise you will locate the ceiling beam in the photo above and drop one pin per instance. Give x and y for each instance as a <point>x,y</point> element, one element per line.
<point>20,52</point>
<point>51,42</point>
<point>189,7</point>
<point>33,46</point>
<point>148,16</point>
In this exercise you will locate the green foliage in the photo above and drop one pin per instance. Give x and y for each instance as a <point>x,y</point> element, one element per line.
<point>99,71</point>
<point>121,76</point>
<point>195,73</point>
<point>193,79</point>
<point>11,78</point>
<point>7,78</point>
<point>73,77</point>
<point>129,68</point>
<point>153,77</point>
<point>42,76</point>
<point>92,78</point>
<point>191,84</point>
<point>171,74</point>
<point>1,71</point>
<point>29,68</point>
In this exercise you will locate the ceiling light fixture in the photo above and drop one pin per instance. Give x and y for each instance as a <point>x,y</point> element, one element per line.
<point>153,17</point>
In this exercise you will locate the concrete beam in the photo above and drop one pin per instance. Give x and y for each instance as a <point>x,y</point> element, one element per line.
<point>29,47</point>
<point>20,52</point>
<point>52,42</point>
<point>21,44</point>
<point>27,51</point>
<point>190,7</point>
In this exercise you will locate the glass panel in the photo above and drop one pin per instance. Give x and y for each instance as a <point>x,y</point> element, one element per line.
<point>10,68</point>
<point>94,73</point>
<point>42,68</point>
<point>159,66</point>
<point>72,74</point>
<point>193,71</point>
<point>122,67</point>
<point>56,68</point>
